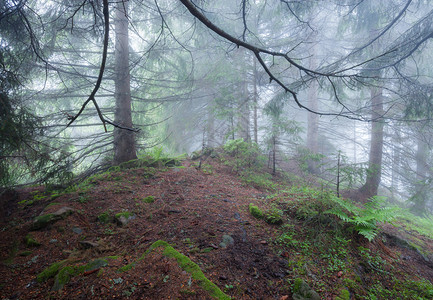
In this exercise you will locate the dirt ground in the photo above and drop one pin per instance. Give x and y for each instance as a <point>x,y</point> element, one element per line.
<point>192,210</point>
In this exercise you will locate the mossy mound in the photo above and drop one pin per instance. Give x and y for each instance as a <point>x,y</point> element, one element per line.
<point>255,211</point>
<point>185,264</point>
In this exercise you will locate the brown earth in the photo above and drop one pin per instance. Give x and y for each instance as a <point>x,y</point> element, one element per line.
<point>192,211</point>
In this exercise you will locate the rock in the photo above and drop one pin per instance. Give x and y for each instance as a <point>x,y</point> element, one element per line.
<point>124,218</point>
<point>227,241</point>
<point>77,230</point>
<point>43,221</point>
<point>302,291</point>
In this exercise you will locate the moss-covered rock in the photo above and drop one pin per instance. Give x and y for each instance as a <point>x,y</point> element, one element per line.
<point>43,221</point>
<point>62,272</point>
<point>63,277</point>
<point>51,271</point>
<point>123,218</point>
<point>255,211</point>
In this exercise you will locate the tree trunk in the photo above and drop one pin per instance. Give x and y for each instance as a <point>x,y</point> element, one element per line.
<point>313,119</point>
<point>210,128</point>
<point>124,140</point>
<point>374,171</point>
<point>256,100</point>
<point>313,128</point>
<point>420,197</point>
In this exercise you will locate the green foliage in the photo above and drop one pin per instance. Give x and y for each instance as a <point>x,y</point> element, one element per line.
<point>402,289</point>
<point>313,204</point>
<point>304,156</point>
<point>245,155</point>
<point>246,159</point>
<point>422,225</point>
<point>371,261</point>
<point>365,219</point>
<point>257,179</point>
<point>274,216</point>
<point>105,218</point>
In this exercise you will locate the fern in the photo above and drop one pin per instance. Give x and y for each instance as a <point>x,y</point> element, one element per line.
<point>365,219</point>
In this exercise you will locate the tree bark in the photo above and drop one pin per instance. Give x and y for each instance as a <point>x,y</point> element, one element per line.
<point>313,119</point>
<point>420,197</point>
<point>124,140</point>
<point>256,101</point>
<point>374,171</point>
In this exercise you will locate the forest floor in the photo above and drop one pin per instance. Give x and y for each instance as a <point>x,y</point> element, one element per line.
<point>100,243</point>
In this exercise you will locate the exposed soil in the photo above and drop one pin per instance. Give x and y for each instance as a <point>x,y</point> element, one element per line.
<point>192,211</point>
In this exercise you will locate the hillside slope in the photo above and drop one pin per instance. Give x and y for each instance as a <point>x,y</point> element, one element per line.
<point>107,238</point>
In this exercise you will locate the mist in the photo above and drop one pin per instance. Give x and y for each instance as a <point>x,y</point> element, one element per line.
<point>338,90</point>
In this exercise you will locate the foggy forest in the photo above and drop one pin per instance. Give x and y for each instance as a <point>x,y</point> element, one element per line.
<point>193,149</point>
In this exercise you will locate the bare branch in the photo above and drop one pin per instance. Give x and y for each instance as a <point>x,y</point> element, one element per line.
<point>100,76</point>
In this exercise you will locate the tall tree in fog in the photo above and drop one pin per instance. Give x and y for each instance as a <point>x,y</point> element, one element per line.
<point>124,140</point>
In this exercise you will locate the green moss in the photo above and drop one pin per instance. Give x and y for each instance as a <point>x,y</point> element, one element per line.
<point>149,199</point>
<point>344,295</point>
<point>51,204</point>
<point>206,250</point>
<point>51,271</point>
<point>255,211</point>
<point>30,241</point>
<point>63,273</point>
<point>113,257</point>
<point>126,268</point>
<point>125,214</point>
<point>95,264</point>
<point>25,253</point>
<point>297,285</point>
<point>192,268</point>
<point>104,218</point>
<point>63,277</point>
<point>44,220</point>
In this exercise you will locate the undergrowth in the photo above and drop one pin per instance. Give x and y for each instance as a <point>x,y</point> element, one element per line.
<point>313,205</point>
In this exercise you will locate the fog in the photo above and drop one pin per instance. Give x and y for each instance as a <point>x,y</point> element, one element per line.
<point>312,80</point>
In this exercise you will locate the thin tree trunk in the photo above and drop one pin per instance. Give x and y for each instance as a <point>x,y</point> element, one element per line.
<point>313,119</point>
<point>124,140</point>
<point>420,196</point>
<point>374,170</point>
<point>210,127</point>
<point>256,100</point>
